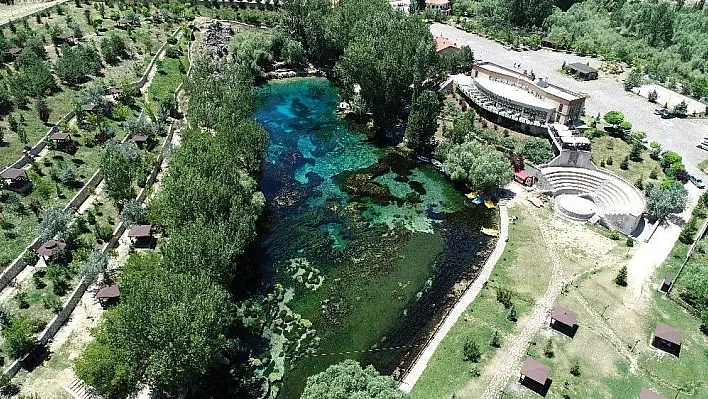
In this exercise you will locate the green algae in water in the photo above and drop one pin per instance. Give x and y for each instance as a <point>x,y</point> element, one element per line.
<point>383,271</point>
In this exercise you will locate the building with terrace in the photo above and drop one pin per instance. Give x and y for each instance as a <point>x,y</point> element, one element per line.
<point>520,96</point>
<point>438,5</point>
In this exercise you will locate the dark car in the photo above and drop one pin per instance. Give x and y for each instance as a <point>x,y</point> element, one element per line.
<point>667,115</point>
<point>697,182</point>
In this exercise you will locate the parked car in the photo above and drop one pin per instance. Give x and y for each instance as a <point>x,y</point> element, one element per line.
<point>697,181</point>
<point>667,115</point>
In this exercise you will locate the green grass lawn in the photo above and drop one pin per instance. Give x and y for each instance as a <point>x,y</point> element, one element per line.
<point>447,372</point>
<point>168,76</point>
<point>607,147</point>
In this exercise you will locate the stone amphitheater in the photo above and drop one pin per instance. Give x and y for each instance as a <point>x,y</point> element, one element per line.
<point>584,192</point>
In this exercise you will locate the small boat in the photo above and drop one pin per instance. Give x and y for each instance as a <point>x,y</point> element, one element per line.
<point>423,159</point>
<point>472,195</point>
<point>436,163</point>
<point>489,203</point>
<point>490,232</point>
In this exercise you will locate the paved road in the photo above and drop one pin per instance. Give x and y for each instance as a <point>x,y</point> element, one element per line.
<point>605,94</point>
<point>21,10</point>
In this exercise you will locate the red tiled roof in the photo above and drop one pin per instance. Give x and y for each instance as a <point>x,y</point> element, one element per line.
<point>564,316</point>
<point>109,291</point>
<point>47,249</point>
<point>140,231</point>
<point>649,394</point>
<point>668,333</point>
<point>522,174</point>
<point>13,173</point>
<point>441,43</point>
<point>536,371</point>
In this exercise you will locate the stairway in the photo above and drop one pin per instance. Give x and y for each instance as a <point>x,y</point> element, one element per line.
<point>80,390</point>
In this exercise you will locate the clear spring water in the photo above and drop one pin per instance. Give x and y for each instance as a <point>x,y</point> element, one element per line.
<point>385,266</point>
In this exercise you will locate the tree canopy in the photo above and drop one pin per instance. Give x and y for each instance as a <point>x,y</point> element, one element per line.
<point>423,120</point>
<point>347,380</point>
<point>482,166</point>
<point>665,199</point>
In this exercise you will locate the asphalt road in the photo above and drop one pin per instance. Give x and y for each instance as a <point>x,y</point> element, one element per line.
<point>605,94</point>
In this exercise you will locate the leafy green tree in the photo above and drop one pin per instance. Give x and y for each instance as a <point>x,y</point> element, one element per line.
<point>621,278</point>
<point>634,79</point>
<point>681,108</point>
<point>496,340</point>
<point>52,220</point>
<point>471,351</point>
<point>348,380</point>
<point>77,63</point>
<point>119,169</point>
<point>462,126</point>
<point>43,110</point>
<point>19,335</point>
<point>137,330</point>
<point>133,213</point>
<point>537,151</point>
<point>423,120</point>
<point>113,48</point>
<point>387,53</point>
<point>96,263</point>
<point>665,200</point>
<point>294,53</point>
<point>482,166</point>
<point>614,118</point>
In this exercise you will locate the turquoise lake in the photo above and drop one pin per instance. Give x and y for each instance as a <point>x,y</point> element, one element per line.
<point>367,244</point>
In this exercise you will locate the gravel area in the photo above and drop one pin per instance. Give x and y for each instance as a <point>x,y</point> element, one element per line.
<point>605,94</point>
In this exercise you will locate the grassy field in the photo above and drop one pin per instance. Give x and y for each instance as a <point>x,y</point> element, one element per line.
<point>169,75</point>
<point>612,345</point>
<point>607,147</point>
<point>447,372</point>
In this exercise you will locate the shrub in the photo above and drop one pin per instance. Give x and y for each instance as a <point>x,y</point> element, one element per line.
<point>22,300</point>
<point>512,314</point>
<point>575,368</point>
<point>688,233</point>
<point>654,174</point>
<point>653,96</point>
<point>609,161</point>
<point>625,163</point>
<point>172,40</point>
<point>30,257</point>
<point>504,297</point>
<point>621,278</point>
<point>630,242</point>
<point>548,350</point>
<point>133,213</point>
<point>471,351</point>
<point>496,340</point>
<point>614,235</point>
<point>52,303</point>
<point>19,336</point>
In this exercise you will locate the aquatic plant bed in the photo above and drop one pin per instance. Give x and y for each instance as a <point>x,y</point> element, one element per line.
<point>368,247</point>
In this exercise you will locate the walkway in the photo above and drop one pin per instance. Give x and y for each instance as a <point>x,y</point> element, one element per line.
<point>469,295</point>
<point>21,10</point>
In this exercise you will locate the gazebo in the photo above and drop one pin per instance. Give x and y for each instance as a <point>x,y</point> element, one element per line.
<point>49,248</point>
<point>647,393</point>
<point>16,179</point>
<point>14,51</point>
<point>143,140</point>
<point>583,71</point>
<point>108,295</point>
<point>141,235</point>
<point>90,107</point>
<point>62,141</point>
<point>564,320</point>
<point>667,339</point>
<point>534,376</point>
<point>67,38</point>
<point>666,284</point>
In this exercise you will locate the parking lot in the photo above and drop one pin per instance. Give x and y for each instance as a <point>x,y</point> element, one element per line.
<point>604,94</point>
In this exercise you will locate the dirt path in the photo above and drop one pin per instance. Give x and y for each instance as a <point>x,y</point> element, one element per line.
<point>508,364</point>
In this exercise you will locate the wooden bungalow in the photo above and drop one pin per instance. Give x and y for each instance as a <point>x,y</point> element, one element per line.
<point>534,376</point>
<point>16,180</point>
<point>521,177</point>
<point>141,235</point>
<point>143,141</point>
<point>62,142</point>
<point>91,107</point>
<point>647,393</point>
<point>564,321</point>
<point>583,71</point>
<point>666,284</point>
<point>125,23</point>
<point>115,92</point>
<point>14,51</point>
<point>49,248</point>
<point>667,339</point>
<point>108,295</point>
<point>66,38</point>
